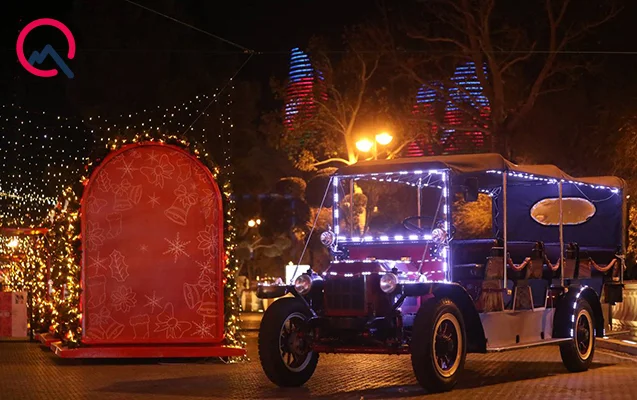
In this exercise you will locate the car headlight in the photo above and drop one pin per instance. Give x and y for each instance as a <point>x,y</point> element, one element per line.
<point>438,235</point>
<point>388,283</point>
<point>328,238</point>
<point>303,284</point>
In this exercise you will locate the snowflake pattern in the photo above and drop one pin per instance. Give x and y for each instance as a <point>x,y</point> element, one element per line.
<point>203,330</point>
<point>98,263</point>
<point>153,200</point>
<point>176,247</point>
<point>206,268</point>
<point>127,168</point>
<point>153,302</point>
<point>143,248</point>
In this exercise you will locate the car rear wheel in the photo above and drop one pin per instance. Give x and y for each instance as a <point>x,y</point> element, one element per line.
<point>577,354</point>
<point>284,345</point>
<point>438,345</point>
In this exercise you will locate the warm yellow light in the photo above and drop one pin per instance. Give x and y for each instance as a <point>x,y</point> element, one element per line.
<point>364,145</point>
<point>384,138</point>
<point>258,222</point>
<point>251,223</point>
<point>14,243</point>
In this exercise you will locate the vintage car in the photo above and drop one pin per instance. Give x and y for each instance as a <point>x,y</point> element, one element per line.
<point>439,256</point>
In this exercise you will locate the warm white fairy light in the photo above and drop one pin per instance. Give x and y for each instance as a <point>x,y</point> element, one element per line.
<point>43,153</point>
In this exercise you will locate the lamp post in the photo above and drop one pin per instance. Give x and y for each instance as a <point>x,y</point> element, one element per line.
<point>365,145</point>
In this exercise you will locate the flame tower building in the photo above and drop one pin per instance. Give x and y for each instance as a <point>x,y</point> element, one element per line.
<point>454,119</point>
<point>305,86</point>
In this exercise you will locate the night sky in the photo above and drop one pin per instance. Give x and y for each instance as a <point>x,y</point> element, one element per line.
<point>120,43</point>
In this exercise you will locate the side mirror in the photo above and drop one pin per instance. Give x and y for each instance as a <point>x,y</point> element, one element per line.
<point>471,189</point>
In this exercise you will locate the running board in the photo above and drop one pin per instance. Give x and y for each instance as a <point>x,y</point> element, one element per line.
<point>527,345</point>
<point>615,333</point>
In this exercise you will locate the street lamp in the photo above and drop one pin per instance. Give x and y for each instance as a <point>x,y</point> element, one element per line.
<point>384,138</point>
<point>365,145</point>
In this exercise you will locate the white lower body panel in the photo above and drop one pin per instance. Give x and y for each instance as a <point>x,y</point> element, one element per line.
<point>515,329</point>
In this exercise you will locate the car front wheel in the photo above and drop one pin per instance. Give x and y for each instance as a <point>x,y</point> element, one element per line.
<point>284,343</point>
<point>438,345</point>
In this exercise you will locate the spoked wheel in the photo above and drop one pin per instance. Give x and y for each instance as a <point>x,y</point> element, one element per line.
<point>577,354</point>
<point>284,344</point>
<point>438,348</point>
<point>293,342</point>
<point>447,345</point>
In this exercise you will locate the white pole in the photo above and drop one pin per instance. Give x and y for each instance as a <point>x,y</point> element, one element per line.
<point>504,223</point>
<point>561,237</point>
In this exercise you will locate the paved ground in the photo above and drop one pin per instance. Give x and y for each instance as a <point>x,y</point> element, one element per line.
<point>29,371</point>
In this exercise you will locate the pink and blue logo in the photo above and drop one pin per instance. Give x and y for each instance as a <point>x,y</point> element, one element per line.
<point>38,57</point>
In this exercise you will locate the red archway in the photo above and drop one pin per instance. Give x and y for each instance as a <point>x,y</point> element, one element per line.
<point>153,256</point>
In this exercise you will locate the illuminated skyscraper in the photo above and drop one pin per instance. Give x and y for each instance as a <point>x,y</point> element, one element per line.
<point>305,87</point>
<point>466,116</point>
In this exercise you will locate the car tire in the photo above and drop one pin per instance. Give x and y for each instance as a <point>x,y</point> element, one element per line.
<point>438,345</point>
<point>284,351</point>
<point>577,354</point>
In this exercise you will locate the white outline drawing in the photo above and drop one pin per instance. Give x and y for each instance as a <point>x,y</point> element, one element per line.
<point>166,322</point>
<point>98,263</point>
<point>176,247</point>
<point>185,169</point>
<point>152,157</point>
<point>153,302</point>
<point>178,212</point>
<point>118,267</point>
<point>203,330</point>
<point>153,200</point>
<point>95,235</point>
<point>127,168</point>
<point>209,241</point>
<point>96,287</point>
<point>102,318</point>
<point>158,173</point>
<point>114,225</point>
<point>95,205</point>
<point>104,181</point>
<point>206,268</point>
<point>209,204</point>
<point>193,296</point>
<point>141,326</point>
<point>126,195</point>
<point>123,298</point>
<point>207,309</point>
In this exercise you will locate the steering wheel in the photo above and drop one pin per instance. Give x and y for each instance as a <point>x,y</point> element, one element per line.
<point>411,223</point>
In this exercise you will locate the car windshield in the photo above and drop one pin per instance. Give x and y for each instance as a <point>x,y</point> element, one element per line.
<point>376,207</point>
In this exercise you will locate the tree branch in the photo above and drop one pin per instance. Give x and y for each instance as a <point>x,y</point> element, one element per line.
<point>329,160</point>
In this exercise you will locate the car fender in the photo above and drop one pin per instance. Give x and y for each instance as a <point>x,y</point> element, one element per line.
<point>565,309</point>
<point>476,340</point>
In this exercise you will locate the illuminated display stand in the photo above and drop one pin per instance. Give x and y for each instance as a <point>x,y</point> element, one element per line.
<point>153,258</point>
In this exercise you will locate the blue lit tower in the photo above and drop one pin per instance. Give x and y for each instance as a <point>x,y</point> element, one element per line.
<point>427,110</point>
<point>465,95</point>
<point>305,87</point>
<point>463,128</point>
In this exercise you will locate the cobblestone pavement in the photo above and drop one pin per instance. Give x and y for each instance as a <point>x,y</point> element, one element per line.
<point>29,371</point>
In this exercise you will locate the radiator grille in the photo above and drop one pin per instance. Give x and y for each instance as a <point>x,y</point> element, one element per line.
<point>345,294</point>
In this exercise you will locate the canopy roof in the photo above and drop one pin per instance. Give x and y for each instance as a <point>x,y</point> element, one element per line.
<point>473,164</point>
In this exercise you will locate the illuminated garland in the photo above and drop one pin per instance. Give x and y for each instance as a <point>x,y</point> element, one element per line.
<point>66,230</point>
<point>24,262</point>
